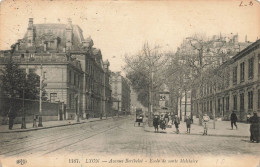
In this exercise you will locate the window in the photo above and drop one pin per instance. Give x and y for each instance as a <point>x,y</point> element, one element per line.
<point>259,64</point>
<point>258,98</point>
<point>75,78</point>
<point>242,72</point>
<point>207,106</point>
<point>250,100</point>
<point>53,97</point>
<point>227,77</point>
<point>218,105</point>
<point>210,104</point>
<point>235,102</point>
<point>242,102</point>
<point>31,55</point>
<point>22,56</point>
<point>235,75</point>
<point>70,73</point>
<point>227,103</point>
<point>251,68</point>
<point>78,81</point>
<point>70,100</point>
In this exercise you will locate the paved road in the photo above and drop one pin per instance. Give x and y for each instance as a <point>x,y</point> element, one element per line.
<point>119,137</point>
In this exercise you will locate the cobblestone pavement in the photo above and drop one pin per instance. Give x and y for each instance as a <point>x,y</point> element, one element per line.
<point>118,137</point>
<point>127,139</point>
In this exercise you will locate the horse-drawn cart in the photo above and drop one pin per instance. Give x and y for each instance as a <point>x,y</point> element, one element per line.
<point>139,117</point>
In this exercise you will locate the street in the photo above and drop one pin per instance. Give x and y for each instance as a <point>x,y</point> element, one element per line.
<point>119,136</point>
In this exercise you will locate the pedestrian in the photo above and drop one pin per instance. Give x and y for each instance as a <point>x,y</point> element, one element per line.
<point>205,124</point>
<point>166,118</point>
<point>254,128</point>
<point>233,119</point>
<point>248,117</point>
<point>188,123</point>
<point>176,122</point>
<point>87,115</point>
<point>11,116</point>
<point>156,123</point>
<point>162,123</point>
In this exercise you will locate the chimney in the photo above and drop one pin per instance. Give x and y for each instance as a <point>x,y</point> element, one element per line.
<point>30,25</point>
<point>69,34</point>
<point>246,38</point>
<point>30,35</point>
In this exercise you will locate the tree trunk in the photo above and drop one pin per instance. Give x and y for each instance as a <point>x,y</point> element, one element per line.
<point>180,106</point>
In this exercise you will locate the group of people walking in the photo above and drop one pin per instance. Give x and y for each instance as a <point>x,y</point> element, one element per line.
<point>164,121</point>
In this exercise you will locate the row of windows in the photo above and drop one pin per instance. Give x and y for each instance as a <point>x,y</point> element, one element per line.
<point>208,89</point>
<point>207,106</point>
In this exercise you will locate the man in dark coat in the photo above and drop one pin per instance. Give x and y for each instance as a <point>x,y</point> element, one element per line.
<point>233,119</point>
<point>254,128</point>
<point>11,116</point>
<point>156,122</point>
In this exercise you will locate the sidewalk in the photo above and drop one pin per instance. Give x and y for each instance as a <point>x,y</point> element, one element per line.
<point>222,129</point>
<point>47,125</point>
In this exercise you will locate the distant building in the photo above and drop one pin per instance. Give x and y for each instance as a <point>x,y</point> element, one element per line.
<point>121,93</point>
<point>74,70</point>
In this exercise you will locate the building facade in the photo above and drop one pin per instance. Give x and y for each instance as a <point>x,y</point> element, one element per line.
<point>237,88</point>
<point>73,69</point>
<point>121,93</point>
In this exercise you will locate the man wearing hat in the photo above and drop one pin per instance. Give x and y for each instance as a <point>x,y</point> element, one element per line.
<point>254,128</point>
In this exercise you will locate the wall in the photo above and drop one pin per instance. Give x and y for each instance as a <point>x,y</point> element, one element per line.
<point>49,110</point>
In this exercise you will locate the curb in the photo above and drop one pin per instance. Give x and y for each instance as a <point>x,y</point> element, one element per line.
<point>212,135</point>
<point>49,127</point>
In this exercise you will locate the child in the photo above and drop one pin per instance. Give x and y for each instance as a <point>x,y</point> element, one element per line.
<point>162,123</point>
<point>188,123</point>
<point>205,121</point>
<point>176,123</point>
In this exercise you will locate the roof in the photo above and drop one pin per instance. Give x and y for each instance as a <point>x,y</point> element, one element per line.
<point>54,31</point>
<point>247,50</point>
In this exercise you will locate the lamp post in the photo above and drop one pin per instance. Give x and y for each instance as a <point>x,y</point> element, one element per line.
<point>40,100</point>
<point>23,118</point>
<point>77,111</point>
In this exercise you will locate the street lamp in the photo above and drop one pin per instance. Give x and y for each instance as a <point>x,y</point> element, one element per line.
<point>23,118</point>
<point>40,100</point>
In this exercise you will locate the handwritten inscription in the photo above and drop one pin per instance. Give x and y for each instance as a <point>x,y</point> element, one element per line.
<point>243,4</point>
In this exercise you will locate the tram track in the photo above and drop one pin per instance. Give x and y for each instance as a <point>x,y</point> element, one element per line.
<point>75,137</point>
<point>4,143</point>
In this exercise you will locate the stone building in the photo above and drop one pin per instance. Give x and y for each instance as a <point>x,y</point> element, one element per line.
<point>225,45</point>
<point>236,89</point>
<point>121,93</point>
<point>74,70</point>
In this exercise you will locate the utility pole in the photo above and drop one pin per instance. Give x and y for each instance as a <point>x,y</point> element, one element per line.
<point>23,119</point>
<point>118,108</point>
<point>104,94</point>
<point>40,100</point>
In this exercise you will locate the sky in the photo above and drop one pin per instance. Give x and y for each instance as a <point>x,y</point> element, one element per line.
<point>121,27</point>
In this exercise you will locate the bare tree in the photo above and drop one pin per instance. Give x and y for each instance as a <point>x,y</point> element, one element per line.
<point>199,53</point>
<point>146,72</point>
